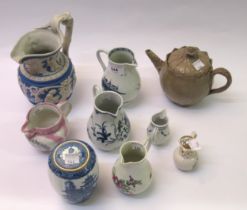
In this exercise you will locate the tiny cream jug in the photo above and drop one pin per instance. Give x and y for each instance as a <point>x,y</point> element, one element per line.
<point>120,75</point>
<point>185,156</point>
<point>45,72</point>
<point>46,125</point>
<point>108,126</point>
<point>159,124</point>
<point>132,172</point>
<point>73,170</point>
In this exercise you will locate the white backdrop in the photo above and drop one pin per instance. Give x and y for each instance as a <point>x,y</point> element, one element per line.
<point>218,27</point>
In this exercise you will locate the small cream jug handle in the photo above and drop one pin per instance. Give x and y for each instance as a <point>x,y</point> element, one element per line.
<point>67,20</point>
<point>100,59</point>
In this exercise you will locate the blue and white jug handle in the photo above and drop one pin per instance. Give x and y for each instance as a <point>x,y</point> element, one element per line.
<point>100,59</point>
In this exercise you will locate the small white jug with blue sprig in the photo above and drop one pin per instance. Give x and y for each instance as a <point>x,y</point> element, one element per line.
<point>159,124</point>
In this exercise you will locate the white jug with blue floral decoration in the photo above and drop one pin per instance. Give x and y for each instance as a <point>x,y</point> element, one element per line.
<point>120,75</point>
<point>108,126</point>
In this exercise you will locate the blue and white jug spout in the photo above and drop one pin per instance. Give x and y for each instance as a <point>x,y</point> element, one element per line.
<point>102,98</point>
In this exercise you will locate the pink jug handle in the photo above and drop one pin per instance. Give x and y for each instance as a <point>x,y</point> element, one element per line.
<point>100,59</point>
<point>65,107</point>
<point>67,20</point>
<point>227,75</point>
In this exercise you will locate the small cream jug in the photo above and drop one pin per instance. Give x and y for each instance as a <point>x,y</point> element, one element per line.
<point>132,172</point>
<point>185,156</point>
<point>159,124</point>
<point>108,126</point>
<point>46,125</point>
<point>120,75</point>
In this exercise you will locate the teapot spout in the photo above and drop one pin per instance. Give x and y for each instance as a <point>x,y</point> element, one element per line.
<point>155,59</point>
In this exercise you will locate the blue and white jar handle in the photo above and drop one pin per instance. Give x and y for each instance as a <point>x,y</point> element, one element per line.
<point>100,59</point>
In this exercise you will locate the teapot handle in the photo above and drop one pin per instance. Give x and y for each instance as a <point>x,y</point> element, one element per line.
<point>227,75</point>
<point>67,20</point>
<point>100,59</point>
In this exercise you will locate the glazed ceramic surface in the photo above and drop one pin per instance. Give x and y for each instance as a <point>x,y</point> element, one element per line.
<point>132,172</point>
<point>46,73</point>
<point>187,75</point>
<point>108,126</point>
<point>120,74</point>
<point>73,170</point>
<point>46,125</point>
<point>159,125</point>
<point>185,156</point>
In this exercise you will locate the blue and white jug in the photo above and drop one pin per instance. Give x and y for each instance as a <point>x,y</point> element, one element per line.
<point>108,126</point>
<point>120,75</point>
<point>46,73</point>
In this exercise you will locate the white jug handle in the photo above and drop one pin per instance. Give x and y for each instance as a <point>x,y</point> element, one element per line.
<point>96,90</point>
<point>65,107</point>
<point>150,139</point>
<point>100,59</point>
<point>67,20</point>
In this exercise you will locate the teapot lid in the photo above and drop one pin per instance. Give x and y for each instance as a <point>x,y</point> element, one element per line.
<point>72,159</point>
<point>189,60</point>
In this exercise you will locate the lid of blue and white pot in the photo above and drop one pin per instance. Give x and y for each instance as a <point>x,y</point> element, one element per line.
<point>72,159</point>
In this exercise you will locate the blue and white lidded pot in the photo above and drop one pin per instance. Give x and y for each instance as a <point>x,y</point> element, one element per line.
<point>73,170</point>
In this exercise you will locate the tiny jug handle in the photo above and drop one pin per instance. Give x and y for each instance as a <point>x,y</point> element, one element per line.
<point>227,75</point>
<point>150,139</point>
<point>67,20</point>
<point>100,59</point>
<point>65,107</point>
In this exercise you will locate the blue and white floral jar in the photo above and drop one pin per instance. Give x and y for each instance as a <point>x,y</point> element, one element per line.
<point>53,88</point>
<point>73,170</point>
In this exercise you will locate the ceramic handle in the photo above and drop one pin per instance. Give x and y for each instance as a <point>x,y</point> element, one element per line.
<point>65,107</point>
<point>67,20</point>
<point>30,133</point>
<point>228,77</point>
<point>150,139</point>
<point>100,59</point>
<point>96,90</point>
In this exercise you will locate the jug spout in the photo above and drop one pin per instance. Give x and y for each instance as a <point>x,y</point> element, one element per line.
<point>155,59</point>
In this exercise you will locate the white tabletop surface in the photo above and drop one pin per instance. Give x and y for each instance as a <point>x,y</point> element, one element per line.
<point>219,27</point>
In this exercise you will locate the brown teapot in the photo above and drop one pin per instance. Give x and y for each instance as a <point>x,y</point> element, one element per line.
<point>187,75</point>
